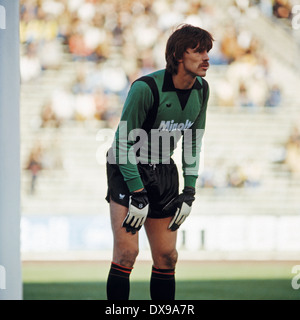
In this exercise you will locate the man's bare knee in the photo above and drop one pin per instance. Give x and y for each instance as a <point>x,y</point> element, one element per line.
<point>166,260</point>
<point>126,257</point>
<point>170,258</point>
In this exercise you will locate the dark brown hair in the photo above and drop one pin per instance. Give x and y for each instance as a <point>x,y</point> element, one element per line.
<point>186,36</point>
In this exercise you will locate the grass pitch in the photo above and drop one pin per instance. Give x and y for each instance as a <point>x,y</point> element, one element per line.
<point>195,280</point>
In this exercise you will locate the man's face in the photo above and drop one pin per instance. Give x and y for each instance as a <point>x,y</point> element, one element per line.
<point>195,63</point>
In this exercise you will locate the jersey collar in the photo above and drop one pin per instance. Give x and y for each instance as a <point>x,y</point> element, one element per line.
<point>168,84</point>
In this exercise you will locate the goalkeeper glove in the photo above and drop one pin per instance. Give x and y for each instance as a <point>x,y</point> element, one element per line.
<point>183,203</point>
<point>137,212</point>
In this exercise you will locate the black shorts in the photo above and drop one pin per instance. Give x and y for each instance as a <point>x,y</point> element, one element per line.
<point>160,181</point>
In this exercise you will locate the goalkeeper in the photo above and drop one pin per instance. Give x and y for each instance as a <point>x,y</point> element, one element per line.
<point>143,187</point>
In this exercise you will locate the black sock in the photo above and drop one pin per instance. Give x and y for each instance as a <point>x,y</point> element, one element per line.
<point>117,286</point>
<point>162,285</point>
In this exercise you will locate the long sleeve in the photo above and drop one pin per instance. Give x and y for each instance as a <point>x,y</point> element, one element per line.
<point>191,147</point>
<point>136,107</point>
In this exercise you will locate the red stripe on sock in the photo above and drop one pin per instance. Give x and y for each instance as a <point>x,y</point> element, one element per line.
<point>167,273</point>
<point>115,266</point>
<point>121,270</point>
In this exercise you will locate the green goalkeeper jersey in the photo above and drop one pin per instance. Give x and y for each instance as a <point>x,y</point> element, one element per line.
<point>179,113</point>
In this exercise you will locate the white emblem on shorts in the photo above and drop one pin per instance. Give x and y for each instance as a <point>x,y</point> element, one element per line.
<point>121,196</point>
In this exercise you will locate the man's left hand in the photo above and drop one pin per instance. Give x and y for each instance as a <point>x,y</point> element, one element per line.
<point>183,203</point>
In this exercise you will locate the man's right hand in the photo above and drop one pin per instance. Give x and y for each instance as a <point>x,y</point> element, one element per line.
<point>137,212</point>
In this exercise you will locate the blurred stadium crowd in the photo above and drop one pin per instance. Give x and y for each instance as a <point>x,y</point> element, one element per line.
<point>112,42</point>
<point>124,39</point>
